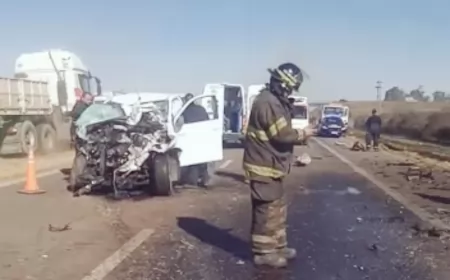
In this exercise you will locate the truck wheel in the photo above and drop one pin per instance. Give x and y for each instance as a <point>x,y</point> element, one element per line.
<point>46,138</point>
<point>26,132</point>
<point>161,183</point>
<point>78,166</point>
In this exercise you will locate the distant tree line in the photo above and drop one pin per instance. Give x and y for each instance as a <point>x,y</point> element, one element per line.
<point>418,94</point>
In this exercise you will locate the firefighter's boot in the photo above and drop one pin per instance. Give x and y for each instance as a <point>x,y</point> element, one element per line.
<point>288,253</point>
<point>273,260</point>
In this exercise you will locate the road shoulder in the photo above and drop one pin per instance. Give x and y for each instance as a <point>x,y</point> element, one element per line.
<point>427,198</point>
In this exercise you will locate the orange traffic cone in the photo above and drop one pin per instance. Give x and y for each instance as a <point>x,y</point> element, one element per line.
<point>31,186</point>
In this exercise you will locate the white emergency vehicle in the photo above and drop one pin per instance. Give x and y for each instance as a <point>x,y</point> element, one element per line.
<point>300,118</point>
<point>337,109</point>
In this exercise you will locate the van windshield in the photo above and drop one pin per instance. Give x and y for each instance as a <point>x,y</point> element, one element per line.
<point>333,111</point>
<point>300,112</point>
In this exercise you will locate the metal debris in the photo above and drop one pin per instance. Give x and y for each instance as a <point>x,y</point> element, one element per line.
<point>417,173</point>
<point>303,160</point>
<point>442,211</point>
<point>58,229</point>
<point>358,146</point>
<point>429,232</point>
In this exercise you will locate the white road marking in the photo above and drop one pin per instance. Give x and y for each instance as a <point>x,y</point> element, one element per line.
<point>225,164</point>
<point>115,259</point>
<point>424,216</point>
<point>22,180</point>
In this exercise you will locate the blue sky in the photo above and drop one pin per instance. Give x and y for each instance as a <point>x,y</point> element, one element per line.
<point>177,46</point>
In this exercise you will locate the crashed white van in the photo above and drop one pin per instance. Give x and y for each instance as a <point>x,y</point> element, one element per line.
<point>141,139</point>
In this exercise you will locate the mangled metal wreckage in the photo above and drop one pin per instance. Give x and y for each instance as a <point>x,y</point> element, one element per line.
<point>123,147</point>
<point>142,142</point>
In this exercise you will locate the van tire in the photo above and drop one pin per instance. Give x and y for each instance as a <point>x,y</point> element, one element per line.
<point>161,183</point>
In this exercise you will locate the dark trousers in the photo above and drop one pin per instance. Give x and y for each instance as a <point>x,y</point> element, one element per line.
<point>195,174</point>
<point>269,215</point>
<point>372,136</point>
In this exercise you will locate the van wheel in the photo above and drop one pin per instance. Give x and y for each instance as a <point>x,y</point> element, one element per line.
<point>161,183</point>
<point>46,138</point>
<point>27,131</point>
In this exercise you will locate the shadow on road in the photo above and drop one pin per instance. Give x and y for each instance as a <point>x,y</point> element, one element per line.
<point>231,175</point>
<point>217,237</point>
<point>435,198</point>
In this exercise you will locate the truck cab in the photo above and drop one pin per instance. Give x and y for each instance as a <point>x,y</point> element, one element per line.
<point>65,73</point>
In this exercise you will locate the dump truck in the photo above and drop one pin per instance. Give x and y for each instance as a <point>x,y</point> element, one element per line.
<point>36,102</point>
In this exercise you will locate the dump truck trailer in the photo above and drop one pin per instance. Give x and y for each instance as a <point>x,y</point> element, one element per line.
<point>36,103</point>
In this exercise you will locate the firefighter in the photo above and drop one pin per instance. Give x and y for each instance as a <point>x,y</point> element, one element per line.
<point>373,130</point>
<point>79,107</point>
<point>268,153</point>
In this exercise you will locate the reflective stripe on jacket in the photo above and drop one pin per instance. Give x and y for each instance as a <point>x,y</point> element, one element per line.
<point>269,139</point>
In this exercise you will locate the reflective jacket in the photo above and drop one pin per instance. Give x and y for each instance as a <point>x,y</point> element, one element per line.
<point>269,139</point>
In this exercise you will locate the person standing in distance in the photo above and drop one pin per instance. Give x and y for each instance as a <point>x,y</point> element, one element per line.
<point>373,130</point>
<point>268,151</point>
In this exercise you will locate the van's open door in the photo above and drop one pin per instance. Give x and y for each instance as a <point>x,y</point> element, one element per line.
<point>201,142</point>
<point>253,91</point>
<point>175,106</point>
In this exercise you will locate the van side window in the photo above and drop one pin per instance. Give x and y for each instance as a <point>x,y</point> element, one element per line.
<point>202,109</point>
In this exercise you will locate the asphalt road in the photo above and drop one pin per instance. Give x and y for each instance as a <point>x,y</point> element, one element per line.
<point>342,226</point>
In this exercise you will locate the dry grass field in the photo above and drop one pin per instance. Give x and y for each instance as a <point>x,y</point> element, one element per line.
<point>427,121</point>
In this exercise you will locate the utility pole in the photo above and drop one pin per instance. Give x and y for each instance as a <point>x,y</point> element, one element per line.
<point>379,87</point>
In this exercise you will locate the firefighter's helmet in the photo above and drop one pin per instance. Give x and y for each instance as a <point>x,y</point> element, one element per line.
<point>286,78</point>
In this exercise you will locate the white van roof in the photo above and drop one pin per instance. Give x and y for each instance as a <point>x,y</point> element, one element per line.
<point>338,105</point>
<point>40,61</point>
<point>299,99</point>
<point>133,97</point>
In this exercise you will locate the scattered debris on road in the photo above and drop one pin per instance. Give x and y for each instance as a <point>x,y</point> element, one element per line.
<point>52,228</point>
<point>357,147</point>
<point>430,232</point>
<point>418,173</point>
<point>303,160</point>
